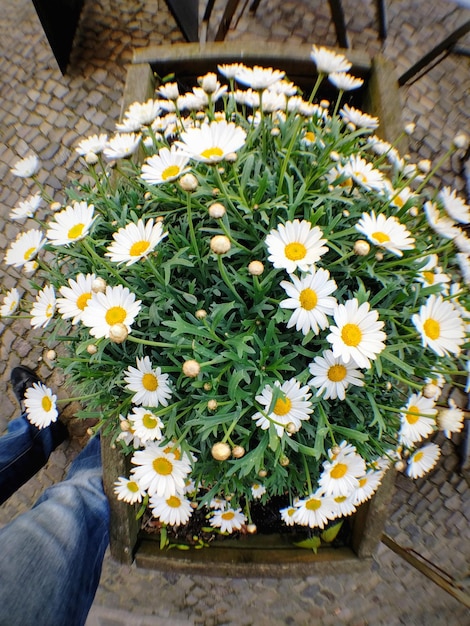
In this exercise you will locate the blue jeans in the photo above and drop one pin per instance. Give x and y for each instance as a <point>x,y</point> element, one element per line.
<point>51,556</point>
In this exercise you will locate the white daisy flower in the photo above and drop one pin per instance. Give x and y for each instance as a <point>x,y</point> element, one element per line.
<point>44,308</point>
<point>289,410</point>
<point>174,510</point>
<point>363,173</point>
<point>218,504</point>
<point>165,166</point>
<point>11,302</point>
<point>159,472</point>
<point>228,520</point>
<point>450,420</point>
<point>462,242</point>
<point>71,224</point>
<point>368,485</point>
<point>122,146</point>
<point>169,91</point>
<point>135,241</point>
<point>341,475</point>
<point>295,245</point>
<point>117,305</point>
<point>344,505</point>
<point>418,419</point>
<point>354,116</point>
<point>398,199</point>
<point>440,326</point>
<point>386,232</point>
<point>423,460</point>
<point>75,297</point>
<point>443,226</point>
<point>95,144</point>
<point>149,385</point>
<point>357,333</point>
<point>315,511</point>
<point>128,490</point>
<point>454,206</point>
<point>40,404</point>
<point>230,70</point>
<point>146,425</point>
<point>333,376</point>
<point>189,486</point>
<point>30,267</point>
<point>257,490</point>
<point>344,82</point>
<point>287,515</point>
<point>24,248</point>
<point>141,114</point>
<point>27,167</point>
<point>328,61</point>
<point>258,77</point>
<point>27,208</point>
<point>310,297</point>
<point>431,274</point>
<point>212,142</point>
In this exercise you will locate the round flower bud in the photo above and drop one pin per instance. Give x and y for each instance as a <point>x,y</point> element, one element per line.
<point>159,219</point>
<point>217,210</point>
<point>335,450</point>
<point>91,158</point>
<point>118,333</point>
<point>125,425</point>
<point>51,355</point>
<point>430,390</point>
<point>220,244</point>
<point>147,195</point>
<point>191,368</point>
<point>400,466</point>
<point>200,314</point>
<point>220,451</point>
<point>425,166</point>
<point>207,386</point>
<point>346,213</point>
<point>275,132</point>
<point>251,528</point>
<point>379,256</point>
<point>188,182</point>
<point>208,82</point>
<point>231,157</point>
<point>215,192</point>
<point>238,452</point>
<point>284,461</point>
<point>334,156</point>
<point>193,505</point>
<point>262,473</point>
<point>89,431</point>
<point>361,247</point>
<point>256,268</point>
<point>460,140</point>
<point>98,285</point>
<point>92,349</point>
<point>324,104</point>
<point>410,128</point>
<point>413,211</point>
<point>56,206</point>
<point>212,404</point>
<point>388,385</point>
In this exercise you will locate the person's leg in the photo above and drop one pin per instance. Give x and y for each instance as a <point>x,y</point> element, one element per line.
<point>24,449</point>
<point>51,556</point>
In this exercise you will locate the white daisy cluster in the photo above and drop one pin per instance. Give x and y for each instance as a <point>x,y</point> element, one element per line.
<point>261,299</point>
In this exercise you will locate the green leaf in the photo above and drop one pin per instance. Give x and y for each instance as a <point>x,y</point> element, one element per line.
<point>330,534</point>
<point>313,543</point>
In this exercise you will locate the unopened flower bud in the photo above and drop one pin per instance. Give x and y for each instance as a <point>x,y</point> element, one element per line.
<point>208,82</point>
<point>275,132</point>
<point>291,428</point>
<point>91,349</point>
<point>335,450</point>
<point>231,157</point>
<point>430,390</point>
<point>361,247</point>
<point>334,156</point>
<point>159,218</point>
<point>188,182</point>
<point>217,210</point>
<point>238,452</point>
<point>207,386</point>
<point>212,404</point>
<point>460,140</point>
<point>220,451</point>
<point>414,212</point>
<point>200,314</point>
<point>193,505</point>
<point>98,285</point>
<point>262,473</point>
<point>424,166</point>
<point>55,206</point>
<point>147,195</point>
<point>284,460</point>
<point>324,104</point>
<point>400,466</point>
<point>89,431</point>
<point>216,192</point>
<point>346,213</point>
<point>251,528</point>
<point>51,355</point>
<point>410,128</point>
<point>118,333</point>
<point>191,368</point>
<point>220,244</point>
<point>125,425</point>
<point>379,256</point>
<point>91,158</point>
<point>256,268</point>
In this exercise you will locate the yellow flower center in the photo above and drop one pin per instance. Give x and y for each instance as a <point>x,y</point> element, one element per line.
<point>148,421</point>
<point>133,486</point>
<point>432,328</point>
<point>309,136</point>
<point>313,504</point>
<point>174,502</point>
<point>399,202</point>
<point>12,306</point>
<point>295,251</point>
<point>149,382</point>
<point>29,253</point>
<point>308,299</point>
<point>212,152</point>
<point>351,335</point>
<point>228,515</point>
<point>162,466</point>
<point>412,415</point>
<point>380,237</point>
<point>282,406</point>
<point>360,176</point>
<point>170,172</point>
<point>75,231</point>
<point>49,310</point>
<point>337,373</point>
<point>115,315</point>
<point>429,277</point>
<point>139,247</point>
<point>339,470</point>
<point>82,300</point>
<point>362,482</point>
<point>46,403</point>
<point>418,456</point>
<point>340,499</point>
<point>175,451</point>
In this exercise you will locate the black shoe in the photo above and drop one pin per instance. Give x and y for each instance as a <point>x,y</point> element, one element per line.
<point>21,378</point>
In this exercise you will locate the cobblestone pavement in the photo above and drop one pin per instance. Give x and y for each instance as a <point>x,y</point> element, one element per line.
<point>42,110</point>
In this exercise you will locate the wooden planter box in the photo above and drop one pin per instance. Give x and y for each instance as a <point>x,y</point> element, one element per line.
<point>252,555</point>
